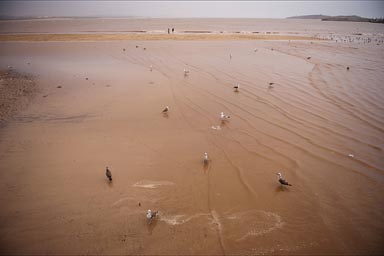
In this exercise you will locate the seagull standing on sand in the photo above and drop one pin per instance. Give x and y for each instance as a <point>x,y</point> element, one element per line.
<point>150,68</point>
<point>151,215</point>
<point>236,87</point>
<point>282,181</point>
<point>186,72</point>
<point>224,117</point>
<point>206,159</point>
<point>165,110</point>
<point>108,173</point>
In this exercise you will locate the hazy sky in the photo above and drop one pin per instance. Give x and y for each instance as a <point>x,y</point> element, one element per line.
<point>235,9</point>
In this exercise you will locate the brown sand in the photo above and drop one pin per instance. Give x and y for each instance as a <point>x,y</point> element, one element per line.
<point>141,37</point>
<point>55,196</point>
<point>16,91</point>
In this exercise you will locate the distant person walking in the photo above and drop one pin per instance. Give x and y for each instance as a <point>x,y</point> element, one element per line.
<point>173,30</point>
<point>168,30</point>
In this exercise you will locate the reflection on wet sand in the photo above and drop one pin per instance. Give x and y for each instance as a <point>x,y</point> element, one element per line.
<point>299,111</point>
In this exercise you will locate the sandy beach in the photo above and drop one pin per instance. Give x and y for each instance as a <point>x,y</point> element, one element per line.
<point>310,105</point>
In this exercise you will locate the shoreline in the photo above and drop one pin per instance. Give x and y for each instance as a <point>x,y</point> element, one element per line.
<point>146,37</point>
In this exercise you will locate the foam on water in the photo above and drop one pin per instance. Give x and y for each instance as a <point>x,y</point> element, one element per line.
<point>133,200</point>
<point>180,219</point>
<point>152,184</point>
<point>278,224</point>
<point>121,200</point>
<point>242,225</point>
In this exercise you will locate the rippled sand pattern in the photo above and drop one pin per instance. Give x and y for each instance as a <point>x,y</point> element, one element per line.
<point>319,123</point>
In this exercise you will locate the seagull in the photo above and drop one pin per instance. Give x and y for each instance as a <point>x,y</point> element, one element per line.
<point>186,72</point>
<point>236,87</point>
<point>151,215</point>
<point>282,181</point>
<point>206,159</point>
<point>270,86</point>
<point>166,110</point>
<point>224,117</point>
<point>108,173</point>
<point>150,67</point>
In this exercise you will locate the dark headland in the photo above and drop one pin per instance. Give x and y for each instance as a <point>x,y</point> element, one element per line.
<point>353,18</point>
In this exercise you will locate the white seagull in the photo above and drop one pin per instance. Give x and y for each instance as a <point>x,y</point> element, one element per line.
<point>186,72</point>
<point>282,181</point>
<point>150,68</point>
<point>236,87</point>
<point>224,117</point>
<point>206,159</point>
<point>151,215</point>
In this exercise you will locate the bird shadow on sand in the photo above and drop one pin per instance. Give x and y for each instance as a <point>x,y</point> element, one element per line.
<point>223,123</point>
<point>165,115</point>
<point>281,189</point>
<point>110,184</point>
<point>151,225</point>
<point>206,167</point>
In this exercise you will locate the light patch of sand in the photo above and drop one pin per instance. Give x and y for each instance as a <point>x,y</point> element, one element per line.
<point>144,37</point>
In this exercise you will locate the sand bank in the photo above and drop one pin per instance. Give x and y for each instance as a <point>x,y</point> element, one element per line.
<point>144,37</point>
<point>319,123</point>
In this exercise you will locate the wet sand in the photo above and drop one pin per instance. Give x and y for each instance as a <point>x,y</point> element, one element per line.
<point>189,35</point>
<point>321,125</point>
<point>16,92</point>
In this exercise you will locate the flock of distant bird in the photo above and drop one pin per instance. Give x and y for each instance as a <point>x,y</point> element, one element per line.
<point>223,117</point>
<point>358,38</point>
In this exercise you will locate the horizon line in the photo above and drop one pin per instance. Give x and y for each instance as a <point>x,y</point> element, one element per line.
<point>160,17</point>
